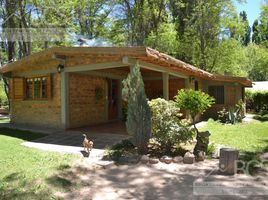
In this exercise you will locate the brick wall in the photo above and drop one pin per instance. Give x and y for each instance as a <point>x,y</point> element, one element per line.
<point>154,88</point>
<point>39,113</point>
<point>84,108</point>
<point>232,94</point>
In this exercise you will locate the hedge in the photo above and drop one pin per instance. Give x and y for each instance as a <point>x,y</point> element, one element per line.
<point>257,100</point>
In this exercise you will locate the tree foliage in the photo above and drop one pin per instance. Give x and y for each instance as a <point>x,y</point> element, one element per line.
<point>209,34</point>
<point>138,114</point>
<point>195,102</point>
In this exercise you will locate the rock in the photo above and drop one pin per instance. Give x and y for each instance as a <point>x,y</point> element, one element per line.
<point>153,160</point>
<point>122,160</point>
<point>161,159</point>
<point>177,159</point>
<point>200,156</point>
<point>264,156</point>
<point>144,159</point>
<point>188,158</point>
<point>134,159</point>
<point>105,163</point>
<point>166,159</point>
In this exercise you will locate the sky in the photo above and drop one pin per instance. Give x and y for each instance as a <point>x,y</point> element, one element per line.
<point>252,8</point>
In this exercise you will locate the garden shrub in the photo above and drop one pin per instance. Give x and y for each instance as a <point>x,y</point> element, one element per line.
<point>167,127</point>
<point>116,151</point>
<point>257,100</point>
<point>261,117</point>
<point>3,96</point>
<point>195,102</point>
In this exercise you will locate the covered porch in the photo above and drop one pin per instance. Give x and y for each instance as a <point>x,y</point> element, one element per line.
<point>91,93</point>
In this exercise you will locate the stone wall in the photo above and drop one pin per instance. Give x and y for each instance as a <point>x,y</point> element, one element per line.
<point>84,108</point>
<point>45,113</point>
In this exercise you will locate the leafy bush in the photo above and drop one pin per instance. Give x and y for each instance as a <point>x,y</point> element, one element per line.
<point>167,128</point>
<point>196,102</point>
<point>257,100</point>
<point>3,96</point>
<point>211,150</point>
<point>261,117</point>
<point>264,110</point>
<point>119,149</point>
<point>156,149</point>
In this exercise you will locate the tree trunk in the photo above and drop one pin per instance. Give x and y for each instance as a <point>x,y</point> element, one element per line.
<point>227,164</point>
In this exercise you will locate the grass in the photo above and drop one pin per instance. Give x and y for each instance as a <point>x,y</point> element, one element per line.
<point>28,173</point>
<point>247,137</point>
<point>4,120</point>
<point>250,138</point>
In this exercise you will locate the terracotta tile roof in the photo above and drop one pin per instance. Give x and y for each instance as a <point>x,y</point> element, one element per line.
<point>143,53</point>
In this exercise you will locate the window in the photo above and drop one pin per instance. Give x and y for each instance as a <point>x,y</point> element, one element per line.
<point>37,87</point>
<point>217,92</point>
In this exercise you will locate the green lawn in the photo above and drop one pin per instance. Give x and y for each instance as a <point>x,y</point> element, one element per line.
<point>27,173</point>
<point>247,137</point>
<point>4,120</point>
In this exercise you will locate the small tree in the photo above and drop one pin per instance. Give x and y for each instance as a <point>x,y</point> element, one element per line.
<point>138,113</point>
<point>195,102</point>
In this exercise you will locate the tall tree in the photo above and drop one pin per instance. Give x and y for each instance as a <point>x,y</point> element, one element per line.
<point>135,20</point>
<point>182,12</point>
<point>263,26</point>
<point>139,114</point>
<point>256,33</point>
<point>91,16</point>
<point>245,39</point>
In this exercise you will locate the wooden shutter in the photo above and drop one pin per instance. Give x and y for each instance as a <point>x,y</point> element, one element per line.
<point>18,87</point>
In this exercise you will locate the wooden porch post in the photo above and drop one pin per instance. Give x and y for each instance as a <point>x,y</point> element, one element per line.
<point>165,85</point>
<point>120,115</point>
<point>64,99</point>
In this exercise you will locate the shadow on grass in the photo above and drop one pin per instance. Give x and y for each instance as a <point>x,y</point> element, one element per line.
<point>253,160</point>
<point>24,135</point>
<point>15,186</point>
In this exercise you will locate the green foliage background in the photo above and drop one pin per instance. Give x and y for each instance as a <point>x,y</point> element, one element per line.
<point>209,34</point>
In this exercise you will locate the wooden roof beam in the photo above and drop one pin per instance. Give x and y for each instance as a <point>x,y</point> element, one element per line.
<point>146,65</point>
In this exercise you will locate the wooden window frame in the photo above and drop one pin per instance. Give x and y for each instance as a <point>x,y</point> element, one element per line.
<point>48,77</point>
<point>223,91</point>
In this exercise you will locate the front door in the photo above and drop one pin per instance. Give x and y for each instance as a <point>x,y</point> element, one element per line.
<point>112,99</point>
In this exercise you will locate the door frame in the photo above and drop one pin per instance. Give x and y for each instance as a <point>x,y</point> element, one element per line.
<point>119,99</point>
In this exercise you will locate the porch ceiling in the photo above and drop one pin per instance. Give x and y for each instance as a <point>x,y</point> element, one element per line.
<point>122,72</point>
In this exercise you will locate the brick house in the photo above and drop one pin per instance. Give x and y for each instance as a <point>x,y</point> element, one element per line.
<point>68,87</point>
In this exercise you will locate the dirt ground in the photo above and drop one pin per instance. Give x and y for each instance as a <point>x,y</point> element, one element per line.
<point>161,181</point>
